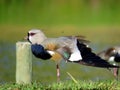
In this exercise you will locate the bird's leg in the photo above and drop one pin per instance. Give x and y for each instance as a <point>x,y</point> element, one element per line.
<point>58,72</point>
<point>115,72</point>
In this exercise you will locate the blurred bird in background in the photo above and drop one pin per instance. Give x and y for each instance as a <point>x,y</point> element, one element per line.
<point>112,55</point>
<point>68,48</point>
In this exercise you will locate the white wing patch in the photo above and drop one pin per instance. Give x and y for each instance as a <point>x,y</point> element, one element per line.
<point>76,55</point>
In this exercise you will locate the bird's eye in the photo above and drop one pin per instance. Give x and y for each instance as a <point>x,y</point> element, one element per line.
<point>31,34</point>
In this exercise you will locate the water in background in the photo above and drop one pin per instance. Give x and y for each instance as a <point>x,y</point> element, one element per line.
<point>45,71</point>
<point>7,62</point>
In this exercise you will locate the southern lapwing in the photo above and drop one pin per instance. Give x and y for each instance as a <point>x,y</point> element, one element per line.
<point>112,55</point>
<point>68,48</point>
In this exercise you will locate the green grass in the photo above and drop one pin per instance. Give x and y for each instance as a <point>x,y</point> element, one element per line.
<point>67,85</point>
<point>52,12</point>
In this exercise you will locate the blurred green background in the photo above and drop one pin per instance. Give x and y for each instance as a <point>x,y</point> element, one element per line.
<point>98,20</point>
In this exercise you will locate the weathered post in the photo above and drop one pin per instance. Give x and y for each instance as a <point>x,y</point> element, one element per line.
<point>23,63</point>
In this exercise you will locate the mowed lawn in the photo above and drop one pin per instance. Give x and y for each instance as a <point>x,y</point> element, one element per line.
<point>67,85</point>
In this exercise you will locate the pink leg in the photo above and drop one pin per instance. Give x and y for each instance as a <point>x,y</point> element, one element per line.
<point>58,73</point>
<point>115,72</point>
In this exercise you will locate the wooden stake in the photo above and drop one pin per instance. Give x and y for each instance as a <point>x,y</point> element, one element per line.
<point>23,63</point>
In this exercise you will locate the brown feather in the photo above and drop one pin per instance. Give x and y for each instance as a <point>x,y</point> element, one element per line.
<point>56,57</point>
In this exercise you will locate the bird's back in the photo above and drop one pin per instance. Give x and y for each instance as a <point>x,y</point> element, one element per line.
<point>63,47</point>
<point>56,43</point>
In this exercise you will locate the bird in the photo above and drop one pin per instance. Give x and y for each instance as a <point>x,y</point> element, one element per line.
<point>69,48</point>
<point>112,55</point>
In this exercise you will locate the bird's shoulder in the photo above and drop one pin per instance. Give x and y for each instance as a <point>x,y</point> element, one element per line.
<point>50,44</point>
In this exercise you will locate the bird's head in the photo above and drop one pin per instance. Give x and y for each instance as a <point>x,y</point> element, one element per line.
<point>35,36</point>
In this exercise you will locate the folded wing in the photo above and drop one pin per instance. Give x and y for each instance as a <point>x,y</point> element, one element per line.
<point>91,59</point>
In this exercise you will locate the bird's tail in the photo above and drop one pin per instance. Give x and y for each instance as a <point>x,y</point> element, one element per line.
<point>91,59</point>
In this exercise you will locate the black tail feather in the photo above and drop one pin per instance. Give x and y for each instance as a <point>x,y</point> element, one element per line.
<point>91,59</point>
